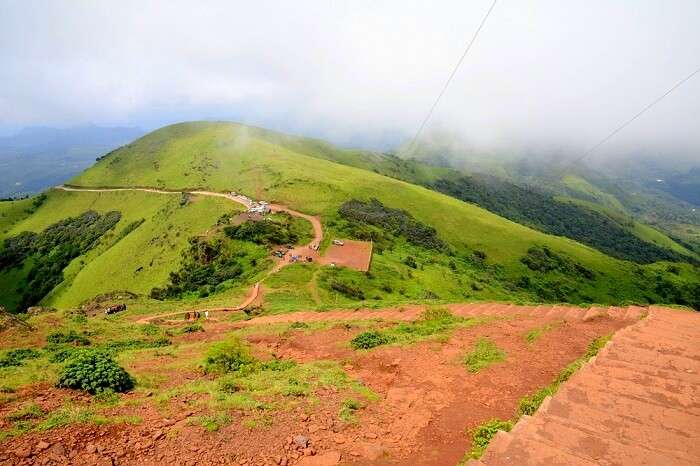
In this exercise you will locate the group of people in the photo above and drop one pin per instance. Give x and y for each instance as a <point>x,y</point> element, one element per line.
<point>196,315</point>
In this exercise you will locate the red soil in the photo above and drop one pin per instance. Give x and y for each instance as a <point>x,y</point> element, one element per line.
<point>427,398</point>
<point>353,254</point>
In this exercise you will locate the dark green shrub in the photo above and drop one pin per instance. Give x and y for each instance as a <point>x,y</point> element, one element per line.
<point>298,324</point>
<point>16,357</point>
<point>369,339</point>
<point>348,289</point>
<point>229,356</point>
<point>95,372</point>
<point>62,353</point>
<point>71,337</point>
<point>277,365</point>
<point>192,328</point>
<point>395,221</point>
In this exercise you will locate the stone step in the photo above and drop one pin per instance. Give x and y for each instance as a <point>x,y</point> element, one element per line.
<point>653,370</point>
<point>629,408</point>
<point>609,423</point>
<point>523,451</point>
<point>628,372</point>
<point>591,444</point>
<point>634,354</point>
<point>678,347</point>
<point>646,393</point>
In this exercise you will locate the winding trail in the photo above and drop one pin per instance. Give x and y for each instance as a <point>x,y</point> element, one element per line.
<point>305,250</point>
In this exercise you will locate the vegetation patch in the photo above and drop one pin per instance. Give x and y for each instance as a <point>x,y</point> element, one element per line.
<point>370,339</point>
<point>209,264</point>
<point>279,229</point>
<point>433,322</point>
<point>484,354</point>
<point>395,221</point>
<point>536,333</point>
<point>70,337</point>
<point>231,355</point>
<point>348,409</point>
<point>46,254</point>
<point>212,422</point>
<point>482,435</point>
<point>16,357</point>
<point>95,372</point>
<point>543,212</point>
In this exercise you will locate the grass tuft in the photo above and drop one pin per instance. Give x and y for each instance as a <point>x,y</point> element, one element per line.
<point>484,354</point>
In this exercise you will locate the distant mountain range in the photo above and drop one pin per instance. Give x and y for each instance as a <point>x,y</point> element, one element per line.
<point>39,157</point>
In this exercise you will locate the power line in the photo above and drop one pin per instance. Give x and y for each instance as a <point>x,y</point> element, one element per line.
<point>640,113</point>
<point>452,75</point>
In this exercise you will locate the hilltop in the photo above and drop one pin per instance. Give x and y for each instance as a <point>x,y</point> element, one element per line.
<point>485,256</point>
<point>212,281</point>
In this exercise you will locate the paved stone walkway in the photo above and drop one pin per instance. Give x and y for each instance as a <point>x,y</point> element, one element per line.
<point>636,403</point>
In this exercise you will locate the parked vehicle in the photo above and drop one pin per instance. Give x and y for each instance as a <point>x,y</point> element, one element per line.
<point>337,242</point>
<point>116,308</point>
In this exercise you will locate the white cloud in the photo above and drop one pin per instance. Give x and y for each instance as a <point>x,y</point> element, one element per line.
<point>542,74</point>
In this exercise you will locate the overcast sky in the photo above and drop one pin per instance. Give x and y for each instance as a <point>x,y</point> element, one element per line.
<point>556,75</point>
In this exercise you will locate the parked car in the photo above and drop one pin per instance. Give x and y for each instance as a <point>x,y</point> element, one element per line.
<point>337,242</point>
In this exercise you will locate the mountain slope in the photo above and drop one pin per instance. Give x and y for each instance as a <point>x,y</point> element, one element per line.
<point>299,172</point>
<point>428,246</point>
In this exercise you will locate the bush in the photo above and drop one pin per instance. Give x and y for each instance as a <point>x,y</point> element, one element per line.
<point>229,356</point>
<point>95,372</point>
<point>482,435</point>
<point>72,337</point>
<point>192,328</point>
<point>370,339</point>
<point>395,221</point>
<point>348,289</point>
<point>16,357</point>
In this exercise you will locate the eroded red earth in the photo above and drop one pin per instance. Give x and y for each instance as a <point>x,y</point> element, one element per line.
<point>427,400</point>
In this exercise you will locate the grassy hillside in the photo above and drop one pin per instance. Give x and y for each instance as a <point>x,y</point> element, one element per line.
<point>137,261</point>
<point>295,171</point>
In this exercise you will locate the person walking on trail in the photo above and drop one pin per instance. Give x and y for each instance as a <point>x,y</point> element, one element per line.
<point>206,315</point>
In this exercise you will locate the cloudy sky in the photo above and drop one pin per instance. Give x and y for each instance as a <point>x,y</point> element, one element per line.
<point>555,74</point>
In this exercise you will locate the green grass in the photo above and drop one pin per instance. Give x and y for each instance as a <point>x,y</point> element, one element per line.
<point>536,333</point>
<point>138,262</point>
<point>305,175</point>
<point>585,188</point>
<point>435,323</point>
<point>484,354</point>
<point>484,433</point>
<point>348,409</point>
<point>212,422</point>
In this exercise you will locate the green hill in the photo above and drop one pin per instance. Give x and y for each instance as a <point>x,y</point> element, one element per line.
<point>485,256</point>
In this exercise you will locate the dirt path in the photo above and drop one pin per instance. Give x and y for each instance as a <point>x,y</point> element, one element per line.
<point>637,402</point>
<point>305,250</point>
<point>413,312</point>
